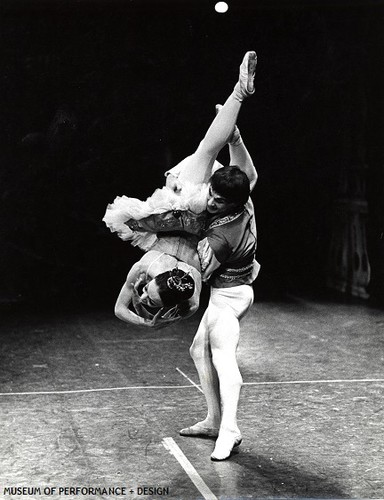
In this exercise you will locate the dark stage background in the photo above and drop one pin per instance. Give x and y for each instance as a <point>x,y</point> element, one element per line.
<point>98,99</point>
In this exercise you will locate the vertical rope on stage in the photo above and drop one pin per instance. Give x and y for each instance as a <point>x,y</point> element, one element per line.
<point>349,269</point>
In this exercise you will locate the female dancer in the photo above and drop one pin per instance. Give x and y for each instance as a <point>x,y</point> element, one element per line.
<point>187,192</point>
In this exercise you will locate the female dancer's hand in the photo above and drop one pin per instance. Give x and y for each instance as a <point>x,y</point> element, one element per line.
<point>164,318</point>
<point>136,302</point>
<point>141,280</point>
<point>173,183</point>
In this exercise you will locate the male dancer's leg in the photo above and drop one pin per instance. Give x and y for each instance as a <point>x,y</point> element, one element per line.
<point>224,333</point>
<point>224,315</point>
<point>214,354</point>
<point>200,352</point>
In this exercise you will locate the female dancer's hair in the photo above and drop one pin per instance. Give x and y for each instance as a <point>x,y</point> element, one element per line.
<point>232,184</point>
<point>175,286</point>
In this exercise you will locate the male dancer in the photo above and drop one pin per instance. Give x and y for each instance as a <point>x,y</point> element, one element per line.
<point>228,261</point>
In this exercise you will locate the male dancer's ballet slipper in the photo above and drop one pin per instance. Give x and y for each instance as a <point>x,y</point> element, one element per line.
<point>245,86</point>
<point>225,447</point>
<point>199,431</point>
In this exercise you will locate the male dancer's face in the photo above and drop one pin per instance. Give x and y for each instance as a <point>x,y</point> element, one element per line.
<point>217,205</point>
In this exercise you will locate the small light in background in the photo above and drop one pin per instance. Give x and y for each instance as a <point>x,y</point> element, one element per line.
<point>221,7</point>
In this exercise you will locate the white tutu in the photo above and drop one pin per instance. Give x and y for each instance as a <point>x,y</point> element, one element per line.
<point>192,197</point>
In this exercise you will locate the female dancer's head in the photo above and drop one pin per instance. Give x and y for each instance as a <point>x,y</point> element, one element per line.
<point>168,289</point>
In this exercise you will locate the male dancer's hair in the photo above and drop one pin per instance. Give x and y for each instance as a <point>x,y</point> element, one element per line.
<point>232,184</point>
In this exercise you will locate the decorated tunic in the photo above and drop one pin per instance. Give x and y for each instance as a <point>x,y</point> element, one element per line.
<point>232,241</point>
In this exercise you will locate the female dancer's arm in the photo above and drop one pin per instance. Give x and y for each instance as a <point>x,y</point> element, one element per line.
<point>126,296</point>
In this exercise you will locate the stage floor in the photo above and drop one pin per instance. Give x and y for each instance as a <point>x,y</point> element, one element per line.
<point>90,402</point>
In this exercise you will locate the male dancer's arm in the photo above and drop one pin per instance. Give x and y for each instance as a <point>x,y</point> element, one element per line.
<point>240,157</point>
<point>194,301</point>
<point>209,262</point>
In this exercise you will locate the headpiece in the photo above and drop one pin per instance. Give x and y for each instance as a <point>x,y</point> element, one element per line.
<point>178,283</point>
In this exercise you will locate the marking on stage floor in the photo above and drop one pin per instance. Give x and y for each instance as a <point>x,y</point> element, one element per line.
<point>124,341</point>
<point>192,382</point>
<point>103,389</point>
<point>129,388</point>
<point>336,381</point>
<point>193,475</point>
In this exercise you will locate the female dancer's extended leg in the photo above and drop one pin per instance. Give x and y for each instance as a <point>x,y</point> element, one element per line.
<point>197,167</point>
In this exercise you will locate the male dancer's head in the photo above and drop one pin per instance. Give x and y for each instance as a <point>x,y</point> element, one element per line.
<point>229,190</point>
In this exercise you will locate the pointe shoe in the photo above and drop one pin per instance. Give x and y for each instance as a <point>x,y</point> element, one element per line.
<point>247,72</point>
<point>198,430</point>
<point>235,138</point>
<point>225,447</point>
<point>245,86</point>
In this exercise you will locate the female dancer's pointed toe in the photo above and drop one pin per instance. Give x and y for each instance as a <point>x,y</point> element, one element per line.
<point>246,86</point>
